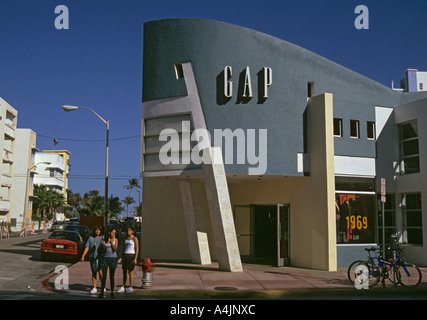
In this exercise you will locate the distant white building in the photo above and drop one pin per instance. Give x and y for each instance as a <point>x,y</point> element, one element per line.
<point>8,120</point>
<point>23,176</point>
<point>54,175</point>
<point>414,81</point>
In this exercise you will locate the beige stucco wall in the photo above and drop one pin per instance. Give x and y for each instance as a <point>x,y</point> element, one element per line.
<point>311,199</point>
<point>164,236</point>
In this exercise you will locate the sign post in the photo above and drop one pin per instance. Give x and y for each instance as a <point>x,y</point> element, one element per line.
<point>383,200</point>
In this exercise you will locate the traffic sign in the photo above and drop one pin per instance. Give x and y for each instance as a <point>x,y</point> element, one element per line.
<point>383,197</point>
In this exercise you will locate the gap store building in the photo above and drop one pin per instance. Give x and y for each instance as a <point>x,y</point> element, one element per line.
<point>257,150</point>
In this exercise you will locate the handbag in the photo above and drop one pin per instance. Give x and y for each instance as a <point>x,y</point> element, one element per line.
<point>101,250</point>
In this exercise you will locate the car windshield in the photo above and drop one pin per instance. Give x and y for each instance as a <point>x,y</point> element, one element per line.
<point>71,227</point>
<point>79,229</point>
<point>65,236</point>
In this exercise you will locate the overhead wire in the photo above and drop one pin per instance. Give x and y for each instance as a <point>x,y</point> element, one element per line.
<point>89,140</point>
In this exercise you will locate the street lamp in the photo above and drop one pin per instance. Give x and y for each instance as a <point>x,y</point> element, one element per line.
<point>68,108</point>
<point>26,189</point>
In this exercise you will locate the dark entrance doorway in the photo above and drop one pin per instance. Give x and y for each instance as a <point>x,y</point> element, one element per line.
<point>265,218</point>
<point>263,233</point>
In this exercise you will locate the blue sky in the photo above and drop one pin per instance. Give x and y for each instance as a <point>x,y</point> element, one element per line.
<point>97,63</point>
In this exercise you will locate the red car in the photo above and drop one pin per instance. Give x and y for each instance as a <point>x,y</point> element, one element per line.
<point>67,244</point>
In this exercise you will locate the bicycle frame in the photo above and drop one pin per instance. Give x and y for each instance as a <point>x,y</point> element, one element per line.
<point>396,269</point>
<point>386,266</point>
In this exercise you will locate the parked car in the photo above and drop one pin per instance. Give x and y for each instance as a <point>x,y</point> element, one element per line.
<point>84,231</point>
<point>58,225</point>
<point>74,221</point>
<point>67,244</point>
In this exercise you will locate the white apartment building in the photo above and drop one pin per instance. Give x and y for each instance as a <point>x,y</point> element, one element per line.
<point>8,121</point>
<point>53,175</point>
<point>22,180</point>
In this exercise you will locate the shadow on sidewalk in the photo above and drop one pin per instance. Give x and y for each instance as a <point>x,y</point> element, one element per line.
<point>186,266</point>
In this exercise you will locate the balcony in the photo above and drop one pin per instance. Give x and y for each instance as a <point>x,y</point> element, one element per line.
<point>7,145</point>
<point>4,205</point>
<point>9,131</point>
<point>7,156</point>
<point>6,181</point>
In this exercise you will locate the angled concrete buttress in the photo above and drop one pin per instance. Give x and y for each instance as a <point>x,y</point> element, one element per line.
<point>215,182</point>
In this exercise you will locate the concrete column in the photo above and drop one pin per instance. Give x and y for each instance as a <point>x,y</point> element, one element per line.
<point>195,224</point>
<point>321,187</point>
<point>224,232</point>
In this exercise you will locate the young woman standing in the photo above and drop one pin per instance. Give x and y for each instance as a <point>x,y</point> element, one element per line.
<point>109,261</point>
<point>129,258</point>
<point>91,247</point>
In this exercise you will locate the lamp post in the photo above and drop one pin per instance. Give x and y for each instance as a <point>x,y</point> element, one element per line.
<point>67,108</point>
<point>26,190</point>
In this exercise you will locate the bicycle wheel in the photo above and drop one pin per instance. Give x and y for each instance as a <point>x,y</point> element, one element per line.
<point>351,271</point>
<point>374,272</point>
<point>374,275</point>
<point>409,275</point>
<point>391,271</point>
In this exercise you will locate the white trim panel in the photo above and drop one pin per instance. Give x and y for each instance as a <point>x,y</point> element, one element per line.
<point>354,166</point>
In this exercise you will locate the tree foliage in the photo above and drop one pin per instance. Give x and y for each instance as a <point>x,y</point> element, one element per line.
<point>46,201</point>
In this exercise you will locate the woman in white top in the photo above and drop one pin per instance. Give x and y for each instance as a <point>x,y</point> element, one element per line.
<point>109,260</point>
<point>129,258</point>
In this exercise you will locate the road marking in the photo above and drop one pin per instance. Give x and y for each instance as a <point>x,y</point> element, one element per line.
<point>5,278</point>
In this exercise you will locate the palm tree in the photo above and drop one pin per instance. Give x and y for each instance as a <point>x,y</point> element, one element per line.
<point>138,210</point>
<point>114,207</point>
<point>40,202</point>
<point>74,199</point>
<point>133,184</point>
<point>55,201</point>
<point>46,201</point>
<point>127,201</point>
<point>92,203</point>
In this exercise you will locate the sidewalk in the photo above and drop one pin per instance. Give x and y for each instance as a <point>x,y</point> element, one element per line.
<point>189,281</point>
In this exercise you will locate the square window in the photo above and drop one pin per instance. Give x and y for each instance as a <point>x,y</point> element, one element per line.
<point>354,129</point>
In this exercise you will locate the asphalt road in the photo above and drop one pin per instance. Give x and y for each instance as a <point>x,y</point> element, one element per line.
<point>21,265</point>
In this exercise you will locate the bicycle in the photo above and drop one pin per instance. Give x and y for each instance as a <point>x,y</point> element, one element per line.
<point>396,270</point>
<point>407,274</point>
<point>371,263</point>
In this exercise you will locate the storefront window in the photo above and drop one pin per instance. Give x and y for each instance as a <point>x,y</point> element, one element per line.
<point>355,218</point>
<point>409,148</point>
<point>389,217</point>
<point>412,218</point>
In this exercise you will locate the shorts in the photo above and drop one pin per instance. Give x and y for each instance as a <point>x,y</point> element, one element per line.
<point>95,265</point>
<point>109,262</point>
<point>127,262</point>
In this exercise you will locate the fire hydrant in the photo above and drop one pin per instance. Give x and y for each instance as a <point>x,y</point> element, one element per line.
<point>147,268</point>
